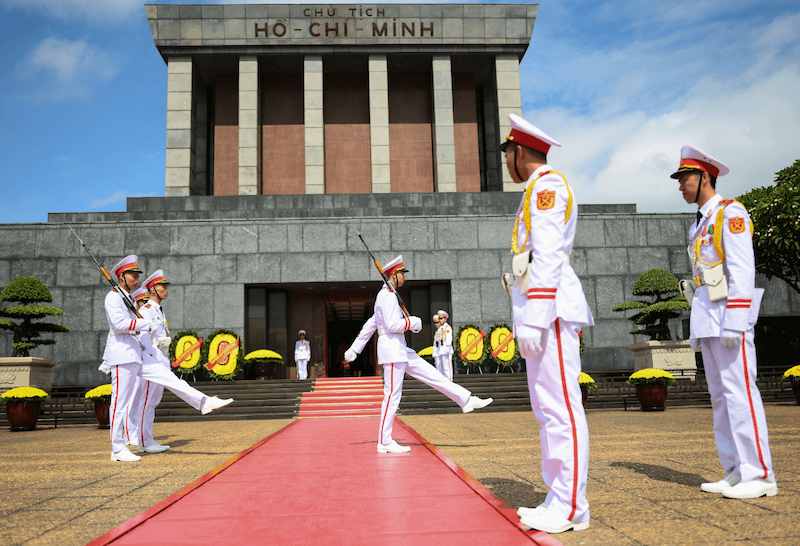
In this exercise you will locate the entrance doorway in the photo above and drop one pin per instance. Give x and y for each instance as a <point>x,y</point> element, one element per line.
<point>332,314</point>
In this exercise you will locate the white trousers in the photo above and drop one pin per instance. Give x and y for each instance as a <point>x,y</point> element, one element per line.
<point>740,426</point>
<point>563,433</point>
<point>417,368</point>
<point>302,369</point>
<point>444,363</point>
<point>124,382</point>
<point>155,377</point>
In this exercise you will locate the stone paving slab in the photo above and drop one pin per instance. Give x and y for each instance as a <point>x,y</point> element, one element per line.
<point>644,474</point>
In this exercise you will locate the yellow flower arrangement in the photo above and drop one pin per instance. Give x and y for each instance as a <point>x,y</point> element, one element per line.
<point>586,380</point>
<point>264,354</point>
<point>24,393</point>
<point>103,391</point>
<point>647,376</point>
<point>427,351</point>
<point>792,374</point>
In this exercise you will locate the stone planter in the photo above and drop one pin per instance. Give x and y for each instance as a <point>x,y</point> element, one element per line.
<point>796,391</point>
<point>675,356</point>
<point>26,371</point>
<point>652,396</point>
<point>584,394</point>
<point>23,414</point>
<point>101,411</point>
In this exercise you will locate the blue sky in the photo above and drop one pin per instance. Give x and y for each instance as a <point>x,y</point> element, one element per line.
<point>622,85</point>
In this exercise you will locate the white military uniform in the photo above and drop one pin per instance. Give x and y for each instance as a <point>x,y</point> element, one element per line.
<point>302,354</point>
<point>548,295</point>
<point>123,357</point>
<point>156,375</point>
<point>443,350</point>
<point>740,426</point>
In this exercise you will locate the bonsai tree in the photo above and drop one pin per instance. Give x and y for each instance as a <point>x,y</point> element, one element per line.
<point>661,302</point>
<point>22,302</point>
<point>775,212</point>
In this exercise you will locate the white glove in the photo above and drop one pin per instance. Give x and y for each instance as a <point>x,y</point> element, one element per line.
<point>145,325</point>
<point>105,368</point>
<point>730,339</point>
<point>163,344</point>
<point>350,355</point>
<point>529,340</point>
<point>416,324</point>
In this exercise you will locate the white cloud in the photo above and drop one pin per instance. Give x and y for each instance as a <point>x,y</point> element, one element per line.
<point>98,10</point>
<point>623,112</point>
<point>66,68</point>
<point>115,198</point>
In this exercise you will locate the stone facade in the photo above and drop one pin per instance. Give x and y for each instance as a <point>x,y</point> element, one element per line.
<point>212,247</point>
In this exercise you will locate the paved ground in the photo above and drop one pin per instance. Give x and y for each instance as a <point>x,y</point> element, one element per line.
<point>59,488</point>
<point>645,473</point>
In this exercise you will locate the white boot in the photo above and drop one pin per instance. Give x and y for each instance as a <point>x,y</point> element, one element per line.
<point>544,520</point>
<point>156,448</point>
<point>718,487</point>
<point>213,402</point>
<point>522,511</point>
<point>124,455</point>
<point>751,490</point>
<point>394,447</point>
<point>476,403</point>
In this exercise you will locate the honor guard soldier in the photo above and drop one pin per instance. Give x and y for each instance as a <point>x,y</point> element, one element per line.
<point>398,359</point>
<point>157,373</point>
<point>549,308</point>
<point>725,306</point>
<point>443,345</point>
<point>302,354</point>
<point>123,354</point>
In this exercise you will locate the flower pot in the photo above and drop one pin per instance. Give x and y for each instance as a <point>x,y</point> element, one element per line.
<point>796,391</point>
<point>101,406</point>
<point>584,394</point>
<point>652,396</point>
<point>23,414</point>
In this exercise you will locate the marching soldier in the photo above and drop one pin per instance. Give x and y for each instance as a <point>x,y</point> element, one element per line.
<point>724,311</point>
<point>156,371</point>
<point>302,354</point>
<point>549,308</point>
<point>398,359</point>
<point>122,356</point>
<point>443,345</point>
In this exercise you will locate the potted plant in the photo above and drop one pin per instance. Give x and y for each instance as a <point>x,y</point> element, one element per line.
<point>651,387</point>
<point>792,375</point>
<point>587,384</point>
<point>263,364</point>
<point>23,405</point>
<point>101,396</point>
<point>23,303</point>
<point>659,301</point>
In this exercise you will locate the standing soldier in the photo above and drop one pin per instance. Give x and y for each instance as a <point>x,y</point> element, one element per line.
<point>398,359</point>
<point>123,354</point>
<point>549,308</point>
<point>302,354</point>
<point>443,345</point>
<point>156,372</point>
<point>724,311</point>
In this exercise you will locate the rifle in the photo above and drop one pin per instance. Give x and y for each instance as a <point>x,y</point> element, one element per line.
<point>377,265</point>
<point>107,276</point>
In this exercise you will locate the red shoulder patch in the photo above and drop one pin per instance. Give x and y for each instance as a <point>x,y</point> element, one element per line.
<point>736,224</point>
<point>545,199</point>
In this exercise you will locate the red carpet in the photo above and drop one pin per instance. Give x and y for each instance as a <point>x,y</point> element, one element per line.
<point>320,482</point>
<point>343,396</point>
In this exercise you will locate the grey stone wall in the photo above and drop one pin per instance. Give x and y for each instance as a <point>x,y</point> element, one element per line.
<point>210,262</point>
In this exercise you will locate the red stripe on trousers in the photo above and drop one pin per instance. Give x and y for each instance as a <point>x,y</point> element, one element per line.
<point>144,408</point>
<point>752,410</point>
<point>116,397</point>
<point>388,401</point>
<point>572,424</point>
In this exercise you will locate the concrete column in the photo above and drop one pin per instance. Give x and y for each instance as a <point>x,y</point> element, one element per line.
<point>508,101</point>
<point>444,150</point>
<point>491,140</point>
<point>379,123</point>
<point>178,172</point>
<point>314,126</point>
<point>248,126</point>
<point>199,185</point>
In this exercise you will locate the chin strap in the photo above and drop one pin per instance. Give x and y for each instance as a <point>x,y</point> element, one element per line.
<point>699,186</point>
<point>516,169</point>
